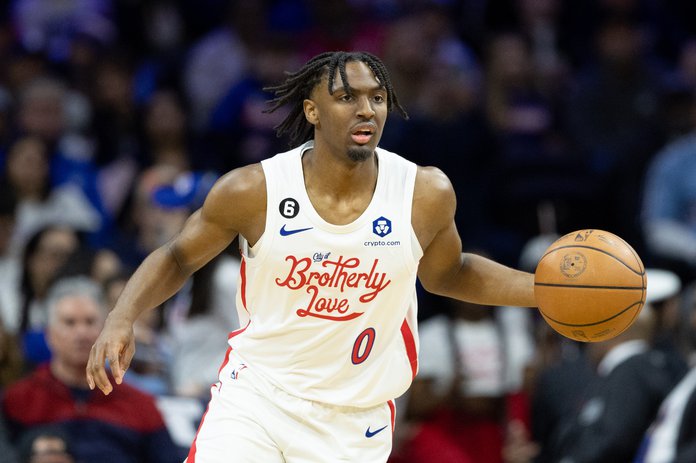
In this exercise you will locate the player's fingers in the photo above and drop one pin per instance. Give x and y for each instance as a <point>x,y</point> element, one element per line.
<point>123,361</point>
<point>96,372</point>
<point>127,356</point>
<point>113,354</point>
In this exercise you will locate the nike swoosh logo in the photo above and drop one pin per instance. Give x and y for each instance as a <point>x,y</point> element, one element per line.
<point>284,232</point>
<point>369,433</point>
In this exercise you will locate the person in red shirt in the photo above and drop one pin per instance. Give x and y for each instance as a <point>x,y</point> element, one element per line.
<point>122,427</point>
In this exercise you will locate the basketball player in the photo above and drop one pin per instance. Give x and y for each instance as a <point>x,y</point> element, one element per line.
<point>333,235</point>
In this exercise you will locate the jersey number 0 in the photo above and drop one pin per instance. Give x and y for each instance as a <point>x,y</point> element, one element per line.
<point>363,346</point>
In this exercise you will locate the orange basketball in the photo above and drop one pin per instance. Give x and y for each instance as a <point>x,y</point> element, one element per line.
<point>590,285</point>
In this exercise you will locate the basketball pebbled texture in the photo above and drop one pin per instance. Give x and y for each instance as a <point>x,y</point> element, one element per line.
<point>590,285</point>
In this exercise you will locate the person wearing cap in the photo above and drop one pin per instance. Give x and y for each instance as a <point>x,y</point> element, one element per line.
<point>619,403</point>
<point>199,317</point>
<point>614,404</point>
<point>671,437</point>
<point>664,295</point>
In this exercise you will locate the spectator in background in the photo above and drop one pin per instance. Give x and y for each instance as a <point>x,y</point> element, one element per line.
<point>119,428</point>
<point>612,116</point>
<point>43,25</point>
<point>463,396</point>
<point>206,306</point>
<point>9,260</point>
<point>46,444</point>
<point>340,25</point>
<point>665,297</point>
<point>9,452</point>
<point>540,23</point>
<point>166,138</point>
<point>607,417</point>
<point>114,120</point>
<point>45,253</point>
<point>11,369</point>
<point>533,163</point>
<point>44,112</point>
<point>11,358</point>
<point>672,435</point>
<point>424,52</point>
<point>686,67</point>
<point>238,128</point>
<point>39,202</point>
<point>143,226</point>
<point>669,202</point>
<point>219,59</point>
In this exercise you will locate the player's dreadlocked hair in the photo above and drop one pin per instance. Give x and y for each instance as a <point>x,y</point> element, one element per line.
<point>298,86</point>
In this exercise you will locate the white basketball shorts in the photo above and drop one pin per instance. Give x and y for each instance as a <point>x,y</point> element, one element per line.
<point>249,420</point>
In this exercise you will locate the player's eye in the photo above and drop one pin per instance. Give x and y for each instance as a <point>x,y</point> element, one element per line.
<point>346,97</point>
<point>379,98</point>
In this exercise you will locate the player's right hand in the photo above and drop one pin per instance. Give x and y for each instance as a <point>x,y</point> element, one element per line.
<point>115,344</point>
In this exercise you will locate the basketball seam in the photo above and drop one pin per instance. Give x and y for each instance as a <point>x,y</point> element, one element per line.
<point>635,254</point>
<point>641,273</point>
<point>560,285</point>
<point>639,303</point>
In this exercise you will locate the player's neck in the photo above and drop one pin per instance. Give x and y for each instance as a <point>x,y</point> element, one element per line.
<point>339,191</point>
<point>337,174</point>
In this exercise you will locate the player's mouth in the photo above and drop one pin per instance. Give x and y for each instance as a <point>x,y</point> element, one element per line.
<point>363,133</point>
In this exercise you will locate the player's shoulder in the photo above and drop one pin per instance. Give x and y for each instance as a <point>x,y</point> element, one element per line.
<point>242,186</point>
<point>237,201</point>
<point>243,180</point>
<point>433,186</point>
<point>432,177</point>
<point>434,200</point>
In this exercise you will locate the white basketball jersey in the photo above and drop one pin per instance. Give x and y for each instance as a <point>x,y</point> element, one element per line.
<point>330,310</point>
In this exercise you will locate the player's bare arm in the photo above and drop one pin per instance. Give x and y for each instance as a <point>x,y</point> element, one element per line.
<point>444,269</point>
<point>235,205</point>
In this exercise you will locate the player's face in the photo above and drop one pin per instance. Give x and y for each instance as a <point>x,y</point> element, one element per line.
<point>349,123</point>
<point>78,321</point>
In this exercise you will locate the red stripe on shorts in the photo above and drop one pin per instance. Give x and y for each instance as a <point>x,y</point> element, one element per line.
<point>192,451</point>
<point>392,409</point>
<point>410,344</point>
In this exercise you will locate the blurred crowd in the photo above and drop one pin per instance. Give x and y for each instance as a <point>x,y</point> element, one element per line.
<point>117,116</point>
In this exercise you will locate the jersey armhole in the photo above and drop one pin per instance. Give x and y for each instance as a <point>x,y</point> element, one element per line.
<point>255,254</point>
<point>413,252</point>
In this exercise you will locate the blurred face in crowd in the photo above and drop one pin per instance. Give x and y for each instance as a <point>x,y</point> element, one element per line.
<point>619,44</point>
<point>42,111</point>
<point>113,83</point>
<point>54,247</point>
<point>28,168</point>
<point>165,117</point>
<point>509,60</point>
<point>75,325</point>
<point>49,449</point>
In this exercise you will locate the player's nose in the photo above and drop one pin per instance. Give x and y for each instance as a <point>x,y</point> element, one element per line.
<point>365,109</point>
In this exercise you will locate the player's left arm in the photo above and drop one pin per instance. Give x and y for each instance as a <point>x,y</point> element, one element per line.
<point>444,269</point>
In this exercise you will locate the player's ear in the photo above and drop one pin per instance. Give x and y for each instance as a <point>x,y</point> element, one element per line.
<point>310,111</point>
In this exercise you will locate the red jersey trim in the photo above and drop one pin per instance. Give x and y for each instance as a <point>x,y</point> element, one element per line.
<point>392,409</point>
<point>410,344</point>
<point>243,278</point>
